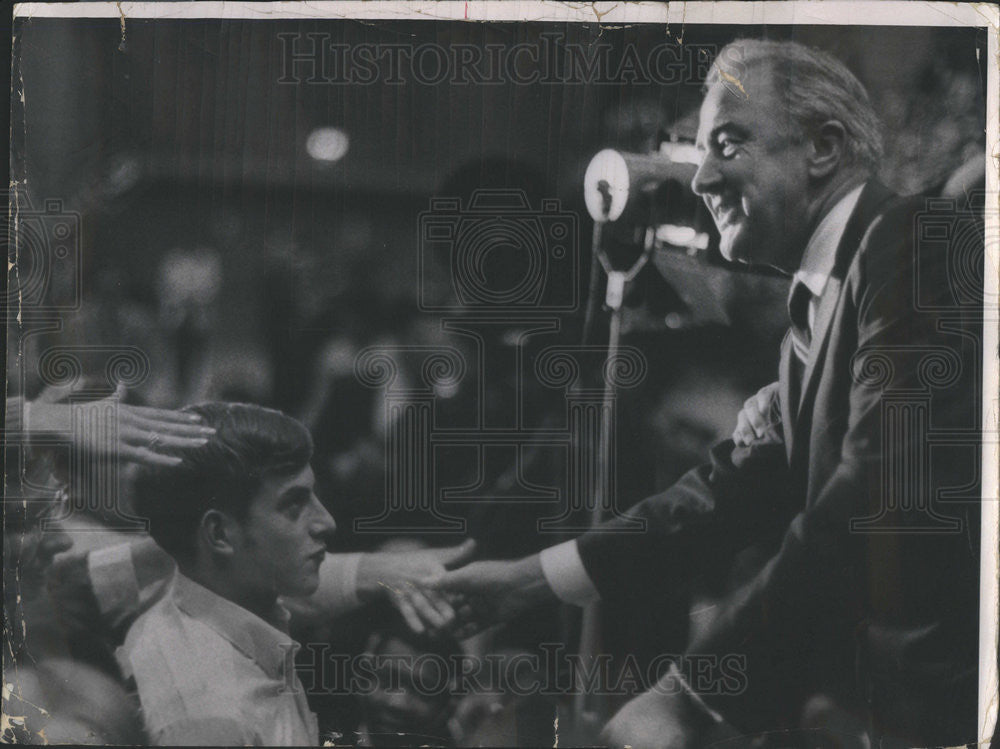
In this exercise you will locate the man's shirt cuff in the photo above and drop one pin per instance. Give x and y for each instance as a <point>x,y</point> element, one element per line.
<point>566,575</point>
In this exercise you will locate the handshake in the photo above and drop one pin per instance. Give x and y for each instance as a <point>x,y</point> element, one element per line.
<point>442,590</point>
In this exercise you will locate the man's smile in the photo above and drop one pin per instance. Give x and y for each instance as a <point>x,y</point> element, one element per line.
<point>726,212</point>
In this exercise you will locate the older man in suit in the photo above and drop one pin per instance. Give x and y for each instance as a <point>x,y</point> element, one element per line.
<point>868,592</point>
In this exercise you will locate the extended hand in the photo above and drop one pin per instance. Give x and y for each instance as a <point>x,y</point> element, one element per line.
<point>401,578</point>
<point>488,593</point>
<point>145,435</point>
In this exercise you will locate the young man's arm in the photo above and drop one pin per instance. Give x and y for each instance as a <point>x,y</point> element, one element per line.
<point>106,589</point>
<point>116,584</point>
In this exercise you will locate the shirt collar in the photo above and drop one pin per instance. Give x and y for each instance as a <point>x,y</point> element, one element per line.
<point>267,643</point>
<point>821,250</point>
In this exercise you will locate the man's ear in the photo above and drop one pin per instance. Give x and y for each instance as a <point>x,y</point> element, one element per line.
<point>827,152</point>
<point>216,531</point>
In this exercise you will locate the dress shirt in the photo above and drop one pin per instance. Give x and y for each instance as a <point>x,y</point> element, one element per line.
<point>561,564</point>
<point>209,671</point>
<point>821,250</point>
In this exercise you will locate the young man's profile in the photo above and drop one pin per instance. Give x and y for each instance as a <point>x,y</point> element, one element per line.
<point>212,660</point>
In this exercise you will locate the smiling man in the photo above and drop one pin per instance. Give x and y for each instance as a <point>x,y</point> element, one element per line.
<point>776,157</point>
<point>866,595</point>
<point>211,659</point>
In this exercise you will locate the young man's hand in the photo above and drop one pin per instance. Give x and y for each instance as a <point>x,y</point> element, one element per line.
<point>403,578</point>
<point>487,593</point>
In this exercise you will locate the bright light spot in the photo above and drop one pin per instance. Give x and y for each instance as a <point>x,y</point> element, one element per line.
<point>681,236</point>
<point>327,144</point>
<point>682,153</point>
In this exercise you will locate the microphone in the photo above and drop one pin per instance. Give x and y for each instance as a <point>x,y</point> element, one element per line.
<point>616,179</point>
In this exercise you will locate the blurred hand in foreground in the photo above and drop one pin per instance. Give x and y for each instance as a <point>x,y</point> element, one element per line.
<point>668,716</point>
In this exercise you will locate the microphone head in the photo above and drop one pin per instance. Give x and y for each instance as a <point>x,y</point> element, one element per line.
<point>615,179</point>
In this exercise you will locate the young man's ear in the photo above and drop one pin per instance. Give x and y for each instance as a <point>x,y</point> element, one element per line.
<point>827,152</point>
<point>216,532</point>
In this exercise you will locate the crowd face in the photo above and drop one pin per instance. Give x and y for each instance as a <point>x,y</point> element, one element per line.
<point>281,544</point>
<point>398,704</point>
<point>753,176</point>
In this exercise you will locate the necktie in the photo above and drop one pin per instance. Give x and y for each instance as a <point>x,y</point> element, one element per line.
<point>798,313</point>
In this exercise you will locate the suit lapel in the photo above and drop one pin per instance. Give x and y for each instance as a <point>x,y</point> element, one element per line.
<point>872,199</point>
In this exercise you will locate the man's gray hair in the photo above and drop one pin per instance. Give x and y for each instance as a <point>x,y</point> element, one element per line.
<point>816,87</point>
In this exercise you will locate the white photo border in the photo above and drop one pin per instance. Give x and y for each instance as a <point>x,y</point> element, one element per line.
<point>674,16</point>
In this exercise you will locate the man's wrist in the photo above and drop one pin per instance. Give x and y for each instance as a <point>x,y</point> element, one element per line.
<point>531,581</point>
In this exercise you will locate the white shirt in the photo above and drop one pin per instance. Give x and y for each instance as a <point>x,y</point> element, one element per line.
<point>821,250</point>
<point>561,564</point>
<point>208,671</point>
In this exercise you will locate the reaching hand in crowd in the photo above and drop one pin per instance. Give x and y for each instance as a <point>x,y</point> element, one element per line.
<point>145,435</point>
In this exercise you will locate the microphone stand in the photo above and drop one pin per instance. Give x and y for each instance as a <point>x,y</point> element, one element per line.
<point>587,710</point>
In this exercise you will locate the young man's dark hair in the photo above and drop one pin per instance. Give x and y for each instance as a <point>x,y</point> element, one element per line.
<point>250,442</point>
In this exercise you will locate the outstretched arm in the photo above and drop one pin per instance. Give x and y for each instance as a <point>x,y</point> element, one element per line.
<point>741,494</point>
<point>145,435</point>
<point>349,581</point>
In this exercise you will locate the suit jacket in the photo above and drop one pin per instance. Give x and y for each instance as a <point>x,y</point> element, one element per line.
<point>867,508</point>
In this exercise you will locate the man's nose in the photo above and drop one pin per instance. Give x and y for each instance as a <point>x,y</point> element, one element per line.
<point>707,177</point>
<point>323,525</point>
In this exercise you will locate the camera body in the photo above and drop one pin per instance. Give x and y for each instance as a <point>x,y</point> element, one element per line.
<point>497,254</point>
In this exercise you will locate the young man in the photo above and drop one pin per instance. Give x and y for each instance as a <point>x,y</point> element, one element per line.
<point>212,660</point>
